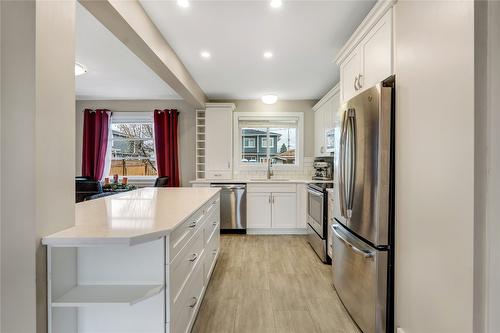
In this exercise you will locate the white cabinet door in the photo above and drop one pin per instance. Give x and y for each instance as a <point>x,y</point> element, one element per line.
<point>350,69</point>
<point>259,210</point>
<point>377,53</point>
<point>301,206</point>
<point>218,139</point>
<point>284,214</point>
<point>318,132</point>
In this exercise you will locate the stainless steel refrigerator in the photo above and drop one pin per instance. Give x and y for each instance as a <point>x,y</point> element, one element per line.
<point>363,236</point>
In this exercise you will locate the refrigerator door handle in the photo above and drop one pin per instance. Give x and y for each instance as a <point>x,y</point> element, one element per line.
<point>342,184</point>
<point>351,124</point>
<point>364,254</point>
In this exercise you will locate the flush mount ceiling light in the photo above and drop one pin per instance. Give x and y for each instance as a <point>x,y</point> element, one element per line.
<point>268,55</point>
<point>269,99</point>
<point>183,3</point>
<point>80,69</point>
<point>276,3</point>
<point>205,54</point>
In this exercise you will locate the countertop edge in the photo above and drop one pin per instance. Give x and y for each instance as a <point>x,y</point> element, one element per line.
<point>53,240</point>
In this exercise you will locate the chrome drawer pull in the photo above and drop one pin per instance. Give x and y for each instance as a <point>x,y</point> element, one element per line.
<point>192,225</point>
<point>195,301</point>
<point>214,223</point>
<point>194,257</point>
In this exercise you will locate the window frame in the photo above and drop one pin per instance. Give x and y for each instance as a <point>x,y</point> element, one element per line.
<point>277,116</point>
<point>133,117</point>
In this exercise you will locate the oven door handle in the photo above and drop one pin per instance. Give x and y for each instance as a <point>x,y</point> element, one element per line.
<point>366,255</point>
<point>315,193</point>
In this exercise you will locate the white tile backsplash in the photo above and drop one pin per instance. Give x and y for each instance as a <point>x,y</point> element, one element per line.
<point>304,173</point>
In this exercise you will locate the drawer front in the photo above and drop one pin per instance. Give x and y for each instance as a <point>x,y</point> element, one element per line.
<point>274,187</point>
<point>212,205</point>
<point>184,264</point>
<point>210,254</point>
<point>218,175</point>
<point>181,235</point>
<point>184,311</point>
<point>360,278</point>
<point>212,223</point>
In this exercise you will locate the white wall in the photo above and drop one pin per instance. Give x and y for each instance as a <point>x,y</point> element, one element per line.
<point>18,311</point>
<point>480,161</point>
<point>186,128</point>
<point>492,291</point>
<point>434,166</point>
<point>37,149</point>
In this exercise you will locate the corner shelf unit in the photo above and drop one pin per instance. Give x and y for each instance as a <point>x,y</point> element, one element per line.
<point>200,144</point>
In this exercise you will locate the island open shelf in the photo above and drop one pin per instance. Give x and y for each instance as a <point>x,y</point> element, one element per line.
<point>90,295</point>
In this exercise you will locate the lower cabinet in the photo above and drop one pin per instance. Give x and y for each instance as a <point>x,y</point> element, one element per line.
<point>154,287</point>
<point>259,210</point>
<point>284,214</point>
<point>271,210</point>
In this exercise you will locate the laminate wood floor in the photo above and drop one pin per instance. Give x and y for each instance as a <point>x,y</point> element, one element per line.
<point>271,284</point>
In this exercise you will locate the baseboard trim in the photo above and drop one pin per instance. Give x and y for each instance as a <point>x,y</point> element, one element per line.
<point>275,231</point>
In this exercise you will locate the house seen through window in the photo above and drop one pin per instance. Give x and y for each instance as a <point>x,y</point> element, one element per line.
<point>275,140</point>
<point>133,148</point>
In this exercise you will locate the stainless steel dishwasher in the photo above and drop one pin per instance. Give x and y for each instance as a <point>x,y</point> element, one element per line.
<point>233,208</point>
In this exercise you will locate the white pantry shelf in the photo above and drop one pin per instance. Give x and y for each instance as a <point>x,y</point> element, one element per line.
<point>89,295</point>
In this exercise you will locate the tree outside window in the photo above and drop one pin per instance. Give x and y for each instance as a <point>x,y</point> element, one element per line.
<point>133,149</point>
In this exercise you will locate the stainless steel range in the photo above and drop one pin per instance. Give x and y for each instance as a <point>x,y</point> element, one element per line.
<point>317,207</point>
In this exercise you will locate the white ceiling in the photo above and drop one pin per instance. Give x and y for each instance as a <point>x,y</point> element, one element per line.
<point>305,37</point>
<point>114,72</point>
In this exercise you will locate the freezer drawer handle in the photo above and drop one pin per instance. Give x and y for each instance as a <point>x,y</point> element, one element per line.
<point>366,255</point>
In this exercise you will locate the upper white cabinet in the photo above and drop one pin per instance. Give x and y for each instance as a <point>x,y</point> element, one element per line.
<point>350,70</point>
<point>367,58</point>
<point>324,112</point>
<point>218,140</point>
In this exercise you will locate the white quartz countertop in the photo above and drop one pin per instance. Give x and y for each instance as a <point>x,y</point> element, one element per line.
<point>131,217</point>
<point>259,181</point>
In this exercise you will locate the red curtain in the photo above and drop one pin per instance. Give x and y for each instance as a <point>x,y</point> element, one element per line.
<point>95,142</point>
<point>167,160</point>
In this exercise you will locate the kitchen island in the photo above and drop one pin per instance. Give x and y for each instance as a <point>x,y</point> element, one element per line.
<point>138,261</point>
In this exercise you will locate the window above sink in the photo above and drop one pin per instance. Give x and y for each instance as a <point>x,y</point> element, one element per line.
<point>260,137</point>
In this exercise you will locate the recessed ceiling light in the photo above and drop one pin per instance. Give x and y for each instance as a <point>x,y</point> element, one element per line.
<point>183,3</point>
<point>205,54</point>
<point>276,3</point>
<point>80,69</point>
<point>269,99</point>
<point>268,54</point>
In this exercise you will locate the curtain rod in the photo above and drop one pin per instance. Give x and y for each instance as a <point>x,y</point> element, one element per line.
<point>178,112</point>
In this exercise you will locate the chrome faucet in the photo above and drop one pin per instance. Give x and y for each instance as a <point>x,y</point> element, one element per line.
<point>270,172</point>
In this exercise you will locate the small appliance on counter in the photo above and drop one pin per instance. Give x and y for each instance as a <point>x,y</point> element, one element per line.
<point>317,207</point>
<point>323,168</point>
